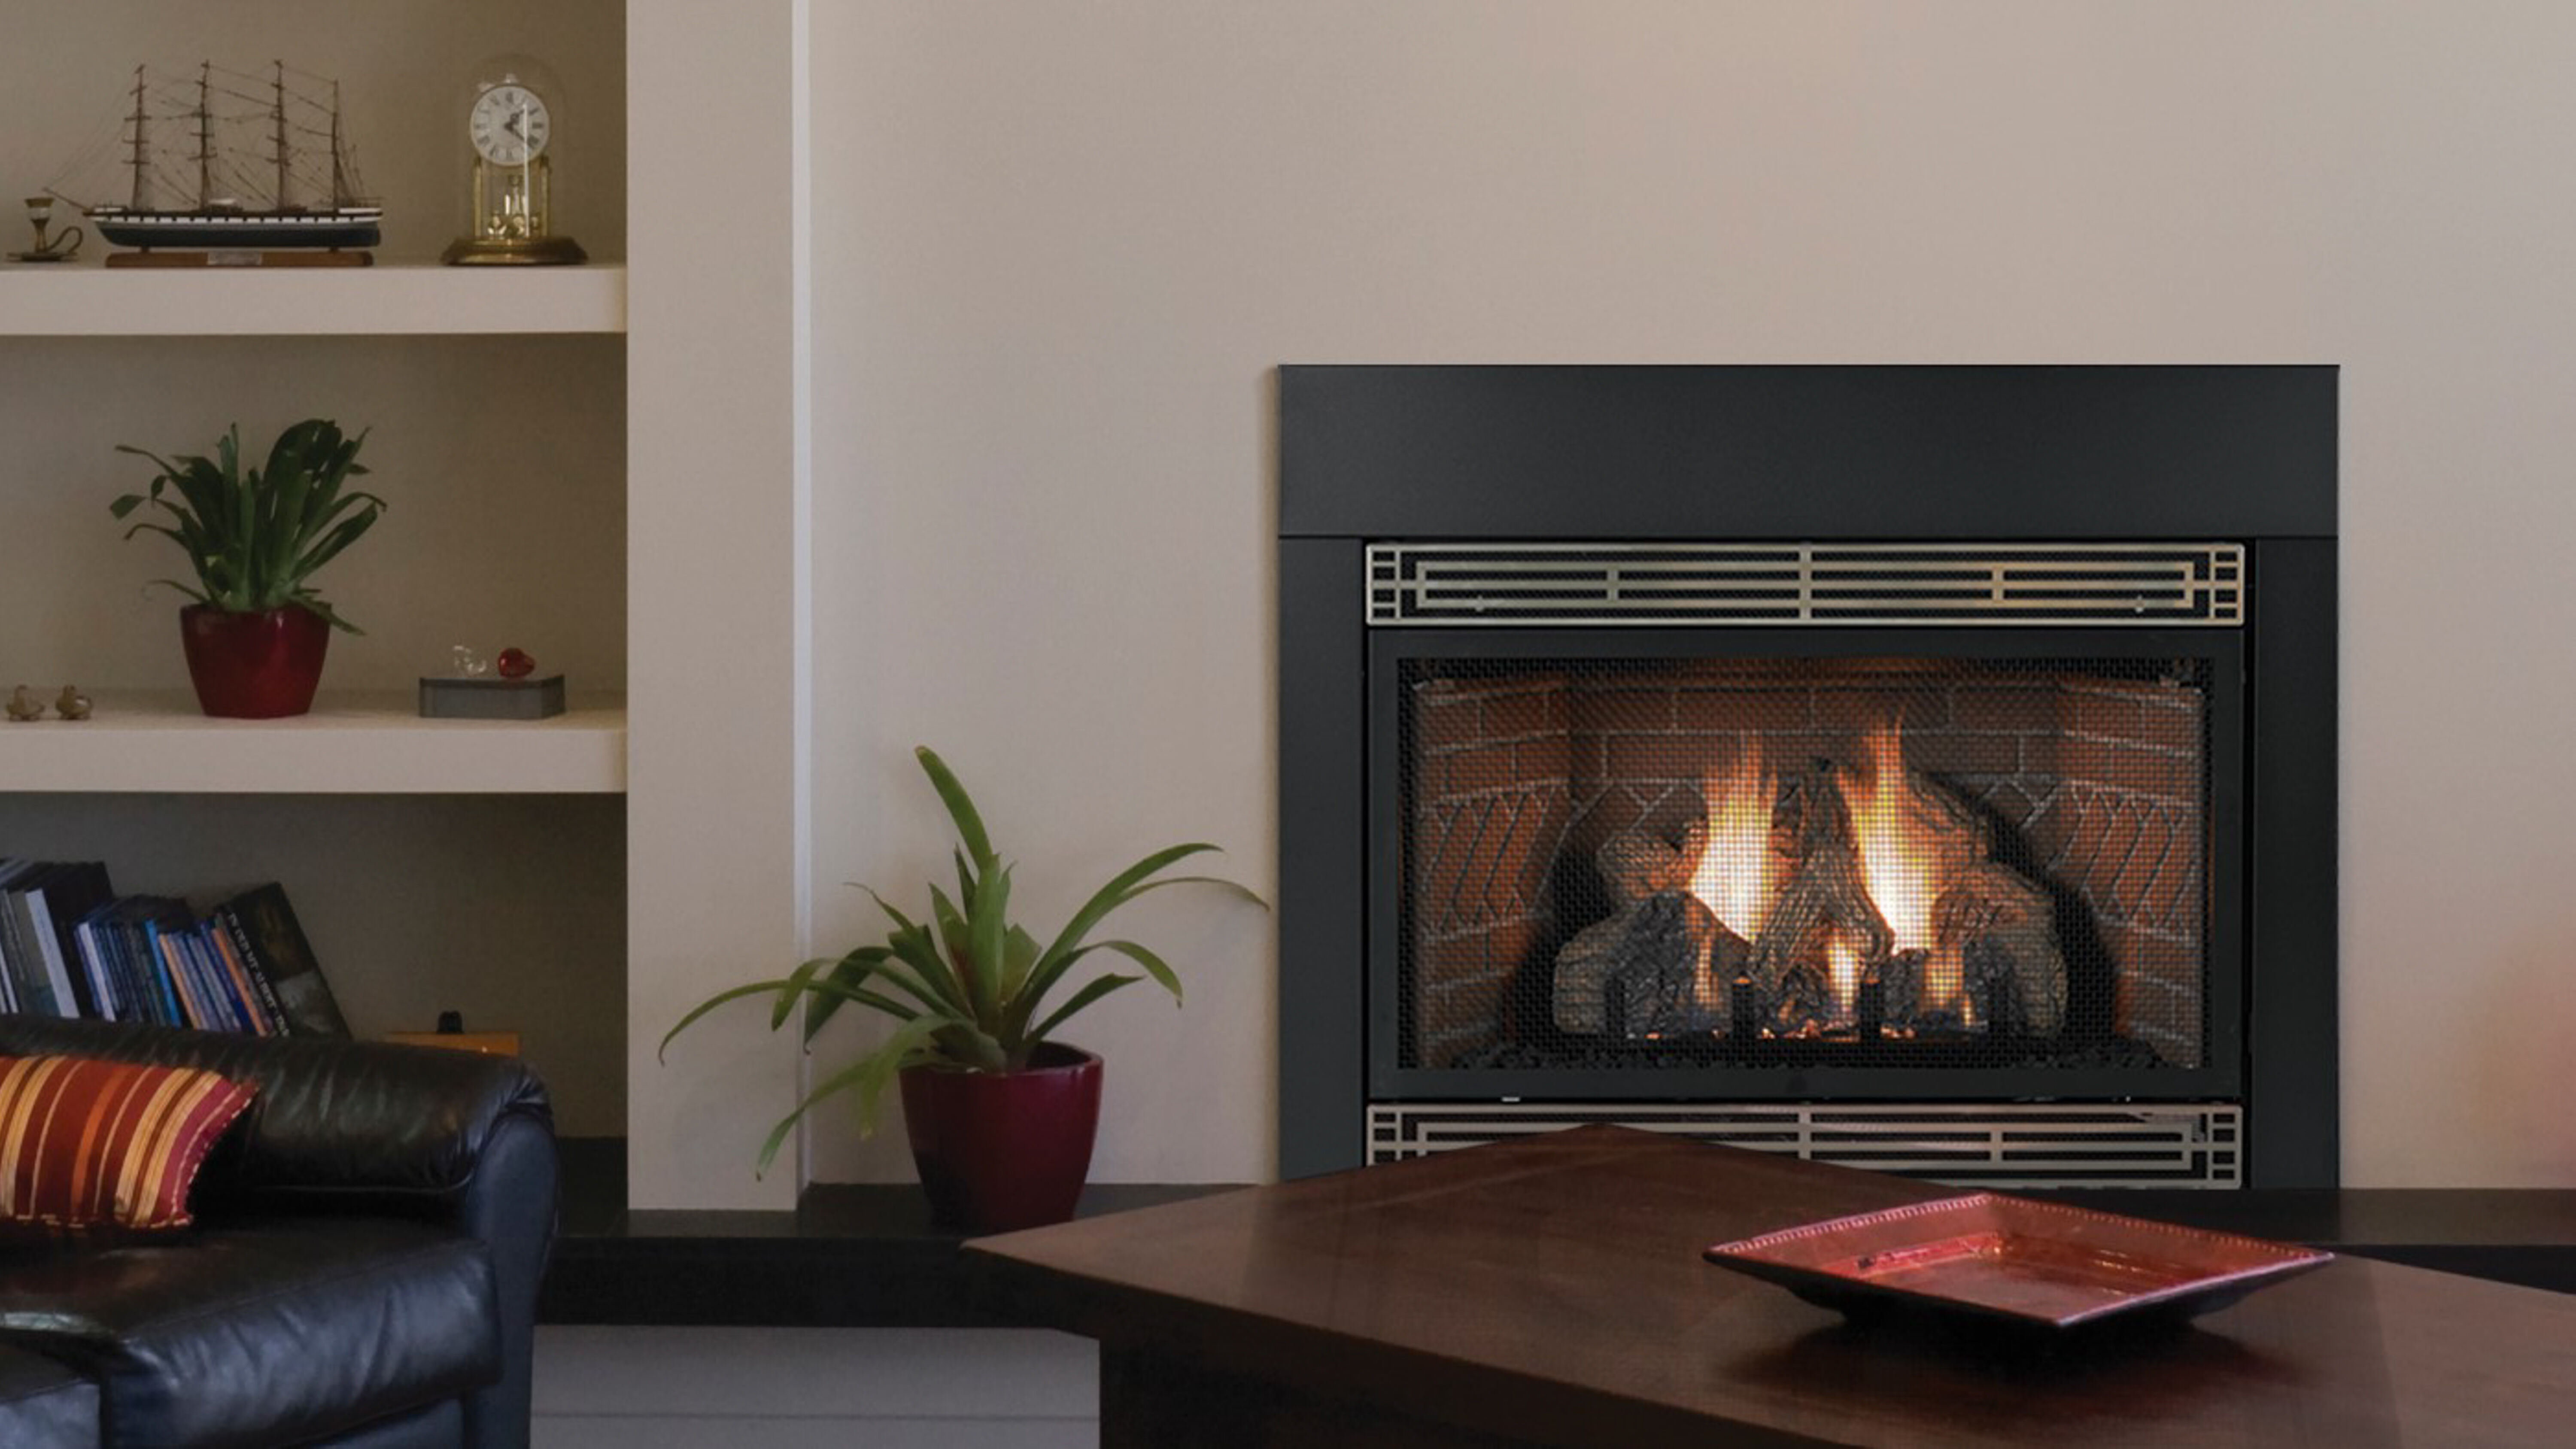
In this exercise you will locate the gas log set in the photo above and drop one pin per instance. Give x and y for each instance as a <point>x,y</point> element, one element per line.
<point>1824,902</point>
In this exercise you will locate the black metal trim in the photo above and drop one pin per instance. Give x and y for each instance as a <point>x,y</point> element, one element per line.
<point>2293,1113</point>
<point>1750,454</point>
<point>1321,865</point>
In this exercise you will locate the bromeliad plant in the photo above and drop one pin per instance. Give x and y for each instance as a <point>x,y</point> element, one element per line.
<point>256,539</point>
<point>965,985</point>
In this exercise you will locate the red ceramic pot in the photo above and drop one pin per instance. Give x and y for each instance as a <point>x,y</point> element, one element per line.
<point>253,666</point>
<point>1004,1150</point>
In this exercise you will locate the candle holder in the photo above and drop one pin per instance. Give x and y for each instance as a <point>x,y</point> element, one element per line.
<point>51,246</point>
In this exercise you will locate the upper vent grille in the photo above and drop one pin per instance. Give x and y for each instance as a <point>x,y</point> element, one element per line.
<point>1807,583</point>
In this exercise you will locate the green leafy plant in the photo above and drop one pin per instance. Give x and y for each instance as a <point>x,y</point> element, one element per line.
<point>964,985</point>
<point>255,539</point>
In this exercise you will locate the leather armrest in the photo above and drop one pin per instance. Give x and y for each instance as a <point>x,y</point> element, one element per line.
<point>335,1123</point>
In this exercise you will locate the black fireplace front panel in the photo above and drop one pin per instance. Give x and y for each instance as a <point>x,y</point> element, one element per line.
<point>1666,596</point>
<point>1857,864</point>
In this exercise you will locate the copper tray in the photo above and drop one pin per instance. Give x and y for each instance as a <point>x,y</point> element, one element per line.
<point>2014,1259</point>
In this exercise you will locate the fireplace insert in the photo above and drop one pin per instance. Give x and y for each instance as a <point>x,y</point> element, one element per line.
<point>1946,848</point>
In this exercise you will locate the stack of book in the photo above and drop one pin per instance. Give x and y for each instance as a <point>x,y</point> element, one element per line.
<point>71,946</point>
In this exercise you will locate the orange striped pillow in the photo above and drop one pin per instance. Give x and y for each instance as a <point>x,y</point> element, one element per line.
<point>91,1144</point>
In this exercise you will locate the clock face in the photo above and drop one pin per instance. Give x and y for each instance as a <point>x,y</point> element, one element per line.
<point>510,124</point>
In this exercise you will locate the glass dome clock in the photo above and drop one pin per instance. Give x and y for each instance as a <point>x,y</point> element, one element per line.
<point>510,122</point>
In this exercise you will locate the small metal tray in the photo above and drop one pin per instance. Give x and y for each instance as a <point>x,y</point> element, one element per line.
<point>2014,1260</point>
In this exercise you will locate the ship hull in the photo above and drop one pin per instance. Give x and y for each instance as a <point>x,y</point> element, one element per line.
<point>243,230</point>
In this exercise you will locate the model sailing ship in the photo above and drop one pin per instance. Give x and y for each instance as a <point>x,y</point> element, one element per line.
<point>229,170</point>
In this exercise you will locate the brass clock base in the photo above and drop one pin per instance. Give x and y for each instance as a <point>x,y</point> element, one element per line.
<point>544,251</point>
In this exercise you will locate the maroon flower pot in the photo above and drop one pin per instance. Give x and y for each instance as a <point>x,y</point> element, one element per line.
<point>1004,1150</point>
<point>254,666</point>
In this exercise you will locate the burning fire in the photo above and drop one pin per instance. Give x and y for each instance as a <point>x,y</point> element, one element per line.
<point>1842,973</point>
<point>1907,870</point>
<point>1905,862</point>
<point>1738,874</point>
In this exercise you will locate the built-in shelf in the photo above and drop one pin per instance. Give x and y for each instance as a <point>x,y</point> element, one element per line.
<point>91,301</point>
<point>351,744</point>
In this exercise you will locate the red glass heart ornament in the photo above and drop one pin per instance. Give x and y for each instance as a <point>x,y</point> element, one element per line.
<point>516,664</point>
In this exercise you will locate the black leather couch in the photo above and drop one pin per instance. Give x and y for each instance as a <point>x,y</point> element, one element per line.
<point>364,1271</point>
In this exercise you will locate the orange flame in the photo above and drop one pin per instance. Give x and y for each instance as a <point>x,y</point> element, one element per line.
<point>1906,864</point>
<point>1842,973</point>
<point>1895,854</point>
<point>1738,875</point>
<point>1902,859</point>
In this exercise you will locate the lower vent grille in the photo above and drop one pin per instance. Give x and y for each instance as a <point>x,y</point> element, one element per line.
<point>1997,1145</point>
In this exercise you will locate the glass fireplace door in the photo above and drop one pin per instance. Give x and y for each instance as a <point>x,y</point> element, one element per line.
<point>1750,864</point>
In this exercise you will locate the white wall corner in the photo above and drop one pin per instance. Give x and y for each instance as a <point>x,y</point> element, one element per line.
<point>717,586</point>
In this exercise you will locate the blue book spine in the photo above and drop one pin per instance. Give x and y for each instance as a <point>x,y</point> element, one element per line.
<point>102,981</point>
<point>219,979</point>
<point>123,934</point>
<point>159,969</point>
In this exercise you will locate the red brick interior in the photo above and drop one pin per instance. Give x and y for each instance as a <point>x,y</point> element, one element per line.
<point>2102,778</point>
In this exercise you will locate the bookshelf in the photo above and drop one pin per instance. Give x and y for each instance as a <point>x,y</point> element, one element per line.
<point>596,463</point>
<point>437,863</point>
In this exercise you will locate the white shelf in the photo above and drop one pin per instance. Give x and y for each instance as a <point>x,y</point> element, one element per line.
<point>351,744</point>
<point>80,300</point>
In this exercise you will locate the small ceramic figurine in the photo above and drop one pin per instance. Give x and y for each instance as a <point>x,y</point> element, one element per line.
<point>24,706</point>
<point>71,703</point>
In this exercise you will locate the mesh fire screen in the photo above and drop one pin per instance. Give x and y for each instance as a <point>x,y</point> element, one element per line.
<point>1919,862</point>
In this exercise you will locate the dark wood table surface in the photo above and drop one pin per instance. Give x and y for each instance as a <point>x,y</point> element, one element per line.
<point>1550,1292</point>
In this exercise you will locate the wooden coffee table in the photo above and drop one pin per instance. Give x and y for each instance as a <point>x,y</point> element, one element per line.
<point>1550,1292</point>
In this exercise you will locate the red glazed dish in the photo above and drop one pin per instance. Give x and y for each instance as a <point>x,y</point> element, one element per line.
<point>2014,1259</point>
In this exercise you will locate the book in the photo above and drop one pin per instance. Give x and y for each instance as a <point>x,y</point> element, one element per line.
<point>232,1001</point>
<point>163,935</point>
<point>46,947</point>
<point>143,956</point>
<point>56,899</point>
<point>111,929</point>
<point>91,891</point>
<point>94,959</point>
<point>9,866</point>
<point>258,1007</point>
<point>272,944</point>
<point>18,954</point>
<point>95,931</point>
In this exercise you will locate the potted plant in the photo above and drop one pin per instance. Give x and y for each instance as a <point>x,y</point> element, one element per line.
<point>1000,1115</point>
<point>256,635</point>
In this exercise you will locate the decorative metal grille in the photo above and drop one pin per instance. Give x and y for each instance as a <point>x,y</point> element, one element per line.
<point>2013,584</point>
<point>1981,1144</point>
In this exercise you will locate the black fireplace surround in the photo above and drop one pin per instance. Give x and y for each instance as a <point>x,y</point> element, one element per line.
<point>1522,812</point>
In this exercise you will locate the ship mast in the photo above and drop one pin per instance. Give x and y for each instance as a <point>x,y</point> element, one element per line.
<point>339,178</point>
<point>141,161</point>
<point>205,136</point>
<point>277,122</point>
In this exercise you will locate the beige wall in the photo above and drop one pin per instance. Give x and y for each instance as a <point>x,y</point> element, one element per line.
<point>1059,248</point>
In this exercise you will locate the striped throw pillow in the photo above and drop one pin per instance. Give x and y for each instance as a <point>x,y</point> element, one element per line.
<point>97,1144</point>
